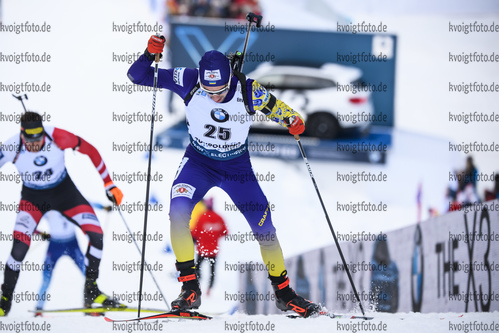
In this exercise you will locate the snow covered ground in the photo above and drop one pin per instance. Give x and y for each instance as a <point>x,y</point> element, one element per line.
<point>408,322</point>
<point>81,73</point>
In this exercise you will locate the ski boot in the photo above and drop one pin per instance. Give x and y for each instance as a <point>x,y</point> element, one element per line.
<point>9,283</point>
<point>93,295</point>
<point>190,295</point>
<point>38,312</point>
<point>5,301</point>
<point>287,299</point>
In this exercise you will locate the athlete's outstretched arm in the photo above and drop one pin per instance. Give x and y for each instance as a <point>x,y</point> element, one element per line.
<point>64,139</point>
<point>180,80</point>
<point>272,107</point>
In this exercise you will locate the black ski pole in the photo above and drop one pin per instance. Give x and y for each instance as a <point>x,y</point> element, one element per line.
<point>146,207</point>
<point>252,18</point>
<point>20,98</point>
<point>138,249</point>
<point>297,137</point>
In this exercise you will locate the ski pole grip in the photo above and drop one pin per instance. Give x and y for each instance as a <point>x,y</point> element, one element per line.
<point>287,122</point>
<point>253,18</point>
<point>158,55</point>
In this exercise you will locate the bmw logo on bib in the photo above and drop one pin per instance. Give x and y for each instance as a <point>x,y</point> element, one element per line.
<point>40,160</point>
<point>219,115</point>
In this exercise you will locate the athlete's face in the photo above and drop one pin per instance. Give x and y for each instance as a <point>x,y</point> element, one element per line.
<point>33,146</point>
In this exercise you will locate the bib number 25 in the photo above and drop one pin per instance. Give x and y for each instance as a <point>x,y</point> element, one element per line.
<point>213,132</point>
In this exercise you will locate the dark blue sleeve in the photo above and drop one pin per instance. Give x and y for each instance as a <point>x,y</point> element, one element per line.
<point>180,80</point>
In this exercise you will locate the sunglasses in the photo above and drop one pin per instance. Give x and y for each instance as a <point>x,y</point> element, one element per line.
<point>29,139</point>
<point>216,92</point>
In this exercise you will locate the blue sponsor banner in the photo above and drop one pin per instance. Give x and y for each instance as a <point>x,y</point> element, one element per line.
<point>374,54</point>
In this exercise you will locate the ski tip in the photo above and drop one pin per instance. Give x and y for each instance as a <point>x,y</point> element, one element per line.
<point>109,320</point>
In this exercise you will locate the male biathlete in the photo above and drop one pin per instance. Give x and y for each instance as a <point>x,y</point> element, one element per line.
<point>218,123</point>
<point>38,154</point>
